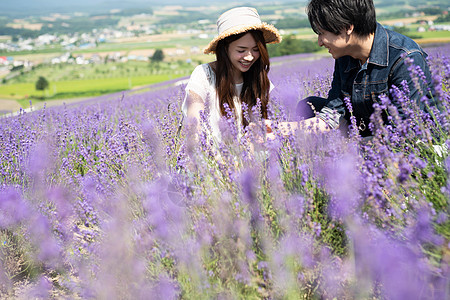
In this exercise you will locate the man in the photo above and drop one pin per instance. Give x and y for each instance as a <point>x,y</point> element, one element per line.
<point>369,60</point>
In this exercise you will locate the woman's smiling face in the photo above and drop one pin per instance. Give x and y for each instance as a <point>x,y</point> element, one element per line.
<point>243,53</point>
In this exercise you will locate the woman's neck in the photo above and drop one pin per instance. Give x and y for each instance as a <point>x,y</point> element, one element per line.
<point>237,76</point>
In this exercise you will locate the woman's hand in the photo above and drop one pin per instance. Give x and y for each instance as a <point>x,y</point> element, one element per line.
<point>269,132</point>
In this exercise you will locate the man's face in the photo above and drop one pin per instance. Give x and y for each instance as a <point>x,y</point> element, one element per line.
<point>337,44</point>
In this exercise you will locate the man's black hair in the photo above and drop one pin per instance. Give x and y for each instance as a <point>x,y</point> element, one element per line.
<point>336,15</point>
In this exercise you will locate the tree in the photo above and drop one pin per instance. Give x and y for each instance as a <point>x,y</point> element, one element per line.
<point>289,23</point>
<point>291,45</point>
<point>41,83</point>
<point>158,56</point>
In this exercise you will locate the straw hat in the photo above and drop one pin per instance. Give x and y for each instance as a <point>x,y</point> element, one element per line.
<point>242,19</point>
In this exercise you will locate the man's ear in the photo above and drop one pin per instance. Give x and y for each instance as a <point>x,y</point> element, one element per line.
<point>350,29</point>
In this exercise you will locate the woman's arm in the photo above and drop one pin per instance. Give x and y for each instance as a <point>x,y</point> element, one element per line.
<point>196,94</point>
<point>195,105</point>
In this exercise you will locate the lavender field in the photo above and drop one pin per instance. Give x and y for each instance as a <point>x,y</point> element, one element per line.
<point>106,200</point>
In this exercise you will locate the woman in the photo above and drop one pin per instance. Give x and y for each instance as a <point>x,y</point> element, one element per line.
<point>239,74</point>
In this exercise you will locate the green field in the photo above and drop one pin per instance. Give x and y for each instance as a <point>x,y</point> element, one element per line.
<point>64,72</point>
<point>412,30</point>
<point>78,88</point>
<point>73,81</point>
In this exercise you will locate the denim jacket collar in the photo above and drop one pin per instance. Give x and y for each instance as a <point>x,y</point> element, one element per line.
<point>379,55</point>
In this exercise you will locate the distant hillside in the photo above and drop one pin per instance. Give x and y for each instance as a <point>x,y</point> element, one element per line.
<point>411,3</point>
<point>23,8</point>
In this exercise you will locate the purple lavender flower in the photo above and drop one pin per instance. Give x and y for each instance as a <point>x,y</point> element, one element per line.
<point>405,170</point>
<point>343,185</point>
<point>113,201</point>
<point>42,290</point>
<point>13,209</point>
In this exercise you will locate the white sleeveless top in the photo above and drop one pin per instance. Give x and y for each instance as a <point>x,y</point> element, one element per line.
<point>203,83</point>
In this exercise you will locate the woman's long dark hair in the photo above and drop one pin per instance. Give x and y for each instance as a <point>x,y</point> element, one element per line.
<point>256,82</point>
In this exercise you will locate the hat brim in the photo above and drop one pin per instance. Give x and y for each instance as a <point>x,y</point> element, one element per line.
<point>271,35</point>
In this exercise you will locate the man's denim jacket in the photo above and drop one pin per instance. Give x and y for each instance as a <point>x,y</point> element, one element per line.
<point>364,84</point>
